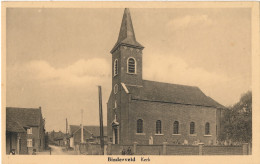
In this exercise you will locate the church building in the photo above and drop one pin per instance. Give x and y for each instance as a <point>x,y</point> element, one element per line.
<point>150,112</point>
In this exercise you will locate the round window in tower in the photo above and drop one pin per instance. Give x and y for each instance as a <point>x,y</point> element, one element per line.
<point>115,88</point>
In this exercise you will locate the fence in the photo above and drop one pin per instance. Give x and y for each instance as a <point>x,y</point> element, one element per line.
<point>149,150</point>
<point>90,149</point>
<point>223,150</point>
<point>182,150</point>
<point>166,149</point>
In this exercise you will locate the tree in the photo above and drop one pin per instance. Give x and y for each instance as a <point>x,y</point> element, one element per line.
<point>237,120</point>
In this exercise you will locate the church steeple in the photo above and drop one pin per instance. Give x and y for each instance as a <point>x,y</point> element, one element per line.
<point>127,57</point>
<point>127,35</point>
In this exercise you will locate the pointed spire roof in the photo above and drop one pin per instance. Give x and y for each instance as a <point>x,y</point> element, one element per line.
<point>127,34</point>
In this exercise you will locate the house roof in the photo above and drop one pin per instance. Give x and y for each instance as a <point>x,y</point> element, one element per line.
<point>126,34</point>
<point>24,116</point>
<point>56,135</point>
<point>171,93</point>
<point>95,130</point>
<point>13,126</point>
<point>73,129</point>
<point>90,129</point>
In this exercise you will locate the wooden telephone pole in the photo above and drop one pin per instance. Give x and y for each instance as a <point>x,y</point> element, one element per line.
<point>66,135</point>
<point>82,135</point>
<point>66,126</point>
<point>101,120</point>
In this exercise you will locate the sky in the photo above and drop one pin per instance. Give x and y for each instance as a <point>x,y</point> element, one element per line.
<point>56,58</point>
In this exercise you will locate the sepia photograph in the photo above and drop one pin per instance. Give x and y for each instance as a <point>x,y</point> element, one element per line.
<point>128,82</point>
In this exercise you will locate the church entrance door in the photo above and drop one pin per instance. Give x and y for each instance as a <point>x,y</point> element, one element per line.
<point>115,135</point>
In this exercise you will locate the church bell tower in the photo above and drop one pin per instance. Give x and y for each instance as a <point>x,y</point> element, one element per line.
<point>127,55</point>
<point>126,70</point>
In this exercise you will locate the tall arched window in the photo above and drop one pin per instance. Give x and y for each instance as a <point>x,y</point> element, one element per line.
<point>115,88</point>
<point>139,126</point>
<point>207,129</point>
<point>131,65</point>
<point>158,127</point>
<point>192,128</point>
<point>115,67</point>
<point>176,127</point>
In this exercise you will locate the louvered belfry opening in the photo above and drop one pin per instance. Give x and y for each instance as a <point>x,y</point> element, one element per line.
<point>131,65</point>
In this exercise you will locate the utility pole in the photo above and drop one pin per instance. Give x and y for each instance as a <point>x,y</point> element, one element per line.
<point>82,135</point>
<point>101,120</point>
<point>66,135</point>
<point>66,126</point>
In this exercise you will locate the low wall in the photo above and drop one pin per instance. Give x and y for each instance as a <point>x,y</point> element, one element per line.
<point>222,150</point>
<point>90,149</point>
<point>165,149</point>
<point>182,150</point>
<point>117,149</point>
<point>95,149</point>
<point>149,150</point>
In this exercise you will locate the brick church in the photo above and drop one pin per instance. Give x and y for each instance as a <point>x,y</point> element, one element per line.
<point>150,112</point>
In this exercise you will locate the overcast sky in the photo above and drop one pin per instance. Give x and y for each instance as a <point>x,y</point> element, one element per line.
<point>56,58</point>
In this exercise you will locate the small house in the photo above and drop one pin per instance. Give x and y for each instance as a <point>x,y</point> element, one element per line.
<point>25,130</point>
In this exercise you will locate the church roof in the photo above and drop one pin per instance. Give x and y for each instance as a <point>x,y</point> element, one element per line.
<point>171,93</point>
<point>127,34</point>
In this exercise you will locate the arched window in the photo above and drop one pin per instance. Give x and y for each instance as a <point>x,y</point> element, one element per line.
<point>207,129</point>
<point>115,88</point>
<point>176,127</point>
<point>131,65</point>
<point>115,67</point>
<point>192,128</point>
<point>139,126</point>
<point>158,127</point>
